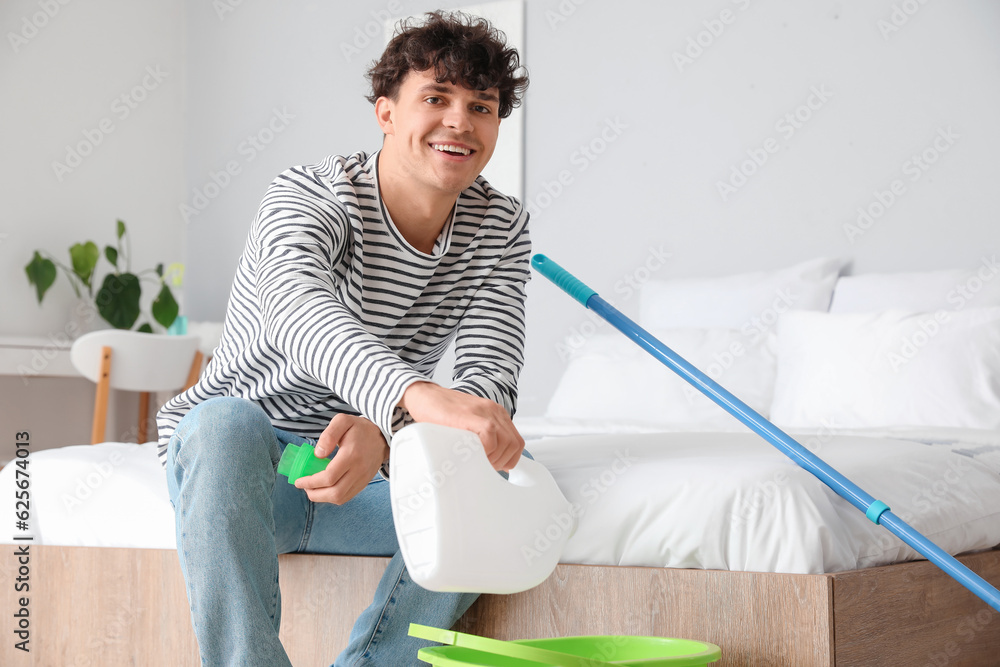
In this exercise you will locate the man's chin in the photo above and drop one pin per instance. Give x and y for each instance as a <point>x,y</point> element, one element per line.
<point>456,184</point>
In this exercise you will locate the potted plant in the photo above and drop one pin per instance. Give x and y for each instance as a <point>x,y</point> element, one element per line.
<point>118,297</point>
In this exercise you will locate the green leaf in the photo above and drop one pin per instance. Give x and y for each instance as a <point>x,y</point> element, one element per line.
<point>159,269</point>
<point>121,229</point>
<point>84,256</point>
<point>41,273</point>
<point>112,255</point>
<point>165,308</point>
<point>145,328</point>
<point>118,299</point>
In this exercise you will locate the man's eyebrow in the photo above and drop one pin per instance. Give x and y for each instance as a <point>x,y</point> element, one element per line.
<point>441,88</point>
<point>434,88</point>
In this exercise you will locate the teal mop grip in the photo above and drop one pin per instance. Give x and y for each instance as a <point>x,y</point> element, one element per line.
<point>876,510</point>
<point>300,461</point>
<point>563,279</point>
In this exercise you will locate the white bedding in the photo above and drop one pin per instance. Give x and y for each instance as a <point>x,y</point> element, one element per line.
<point>718,500</point>
<point>113,494</point>
<point>732,501</point>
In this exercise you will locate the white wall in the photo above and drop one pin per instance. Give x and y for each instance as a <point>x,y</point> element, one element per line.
<point>104,80</point>
<point>603,74</point>
<point>683,129</point>
<point>293,65</point>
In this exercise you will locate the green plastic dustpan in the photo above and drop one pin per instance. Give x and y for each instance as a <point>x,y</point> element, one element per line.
<point>588,651</point>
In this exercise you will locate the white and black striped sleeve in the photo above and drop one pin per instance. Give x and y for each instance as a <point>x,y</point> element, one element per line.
<point>489,345</point>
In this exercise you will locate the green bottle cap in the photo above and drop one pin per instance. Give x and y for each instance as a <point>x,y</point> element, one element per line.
<point>300,461</point>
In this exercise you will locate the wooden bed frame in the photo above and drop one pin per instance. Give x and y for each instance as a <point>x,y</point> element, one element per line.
<point>107,607</point>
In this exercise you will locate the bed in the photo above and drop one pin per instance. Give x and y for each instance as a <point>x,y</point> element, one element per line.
<point>689,525</point>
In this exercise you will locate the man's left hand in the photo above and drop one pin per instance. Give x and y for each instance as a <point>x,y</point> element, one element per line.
<point>361,450</point>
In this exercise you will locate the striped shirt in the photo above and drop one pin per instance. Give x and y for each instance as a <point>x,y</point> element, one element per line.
<point>333,311</point>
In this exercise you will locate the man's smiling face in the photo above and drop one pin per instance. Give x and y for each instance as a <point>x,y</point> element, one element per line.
<point>440,134</point>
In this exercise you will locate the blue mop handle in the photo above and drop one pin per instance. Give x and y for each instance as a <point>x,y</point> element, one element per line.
<point>876,510</point>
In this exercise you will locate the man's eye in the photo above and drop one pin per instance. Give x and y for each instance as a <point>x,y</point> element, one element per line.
<point>433,100</point>
<point>481,109</point>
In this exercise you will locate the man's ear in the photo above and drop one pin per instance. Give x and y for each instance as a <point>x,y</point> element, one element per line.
<point>384,114</point>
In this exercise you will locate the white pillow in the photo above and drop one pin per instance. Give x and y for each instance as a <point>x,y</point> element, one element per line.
<point>747,302</point>
<point>889,369</point>
<point>610,377</point>
<point>926,291</point>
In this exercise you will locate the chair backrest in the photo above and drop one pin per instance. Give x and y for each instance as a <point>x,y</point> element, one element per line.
<point>209,332</point>
<point>141,361</point>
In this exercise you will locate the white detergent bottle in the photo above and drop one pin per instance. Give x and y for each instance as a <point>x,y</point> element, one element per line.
<point>461,526</point>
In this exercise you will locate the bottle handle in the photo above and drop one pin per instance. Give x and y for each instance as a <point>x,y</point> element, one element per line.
<point>528,472</point>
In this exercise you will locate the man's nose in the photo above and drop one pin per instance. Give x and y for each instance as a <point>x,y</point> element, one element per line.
<point>458,119</point>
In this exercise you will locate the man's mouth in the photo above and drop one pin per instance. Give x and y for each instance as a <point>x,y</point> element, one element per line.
<point>452,149</point>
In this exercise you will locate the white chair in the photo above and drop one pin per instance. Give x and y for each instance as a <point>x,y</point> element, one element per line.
<point>141,362</point>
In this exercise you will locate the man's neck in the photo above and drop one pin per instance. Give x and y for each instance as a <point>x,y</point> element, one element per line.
<point>419,215</point>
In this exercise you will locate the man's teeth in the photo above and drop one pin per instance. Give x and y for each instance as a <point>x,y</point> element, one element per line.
<point>448,148</point>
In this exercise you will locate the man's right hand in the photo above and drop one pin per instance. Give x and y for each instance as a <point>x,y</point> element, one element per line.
<point>430,402</point>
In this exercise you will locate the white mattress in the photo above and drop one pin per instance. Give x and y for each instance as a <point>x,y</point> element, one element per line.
<point>680,499</point>
<point>109,495</point>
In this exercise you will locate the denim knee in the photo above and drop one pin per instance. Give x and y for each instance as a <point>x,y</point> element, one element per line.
<point>226,430</point>
<point>231,408</point>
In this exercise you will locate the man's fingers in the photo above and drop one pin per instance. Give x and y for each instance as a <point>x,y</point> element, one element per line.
<point>333,485</point>
<point>508,458</point>
<point>506,452</point>
<point>488,437</point>
<point>336,469</point>
<point>512,461</point>
<point>337,495</point>
<point>333,434</point>
<point>324,478</point>
<point>510,451</point>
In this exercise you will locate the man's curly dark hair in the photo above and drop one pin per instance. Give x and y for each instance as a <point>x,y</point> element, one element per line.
<point>462,49</point>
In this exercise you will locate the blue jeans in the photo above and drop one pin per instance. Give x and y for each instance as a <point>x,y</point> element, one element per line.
<point>233,520</point>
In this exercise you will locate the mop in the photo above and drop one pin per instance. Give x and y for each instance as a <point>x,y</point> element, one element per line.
<point>876,510</point>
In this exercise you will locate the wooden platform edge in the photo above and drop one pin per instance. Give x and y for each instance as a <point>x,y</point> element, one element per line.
<point>916,614</point>
<point>107,606</point>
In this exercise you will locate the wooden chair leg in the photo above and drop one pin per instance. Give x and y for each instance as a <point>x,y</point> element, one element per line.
<point>194,372</point>
<point>99,427</point>
<point>143,416</point>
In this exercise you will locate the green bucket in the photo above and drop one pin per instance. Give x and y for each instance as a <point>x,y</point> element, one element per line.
<point>589,651</point>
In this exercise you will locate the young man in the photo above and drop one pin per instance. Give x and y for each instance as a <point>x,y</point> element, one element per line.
<point>357,273</point>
